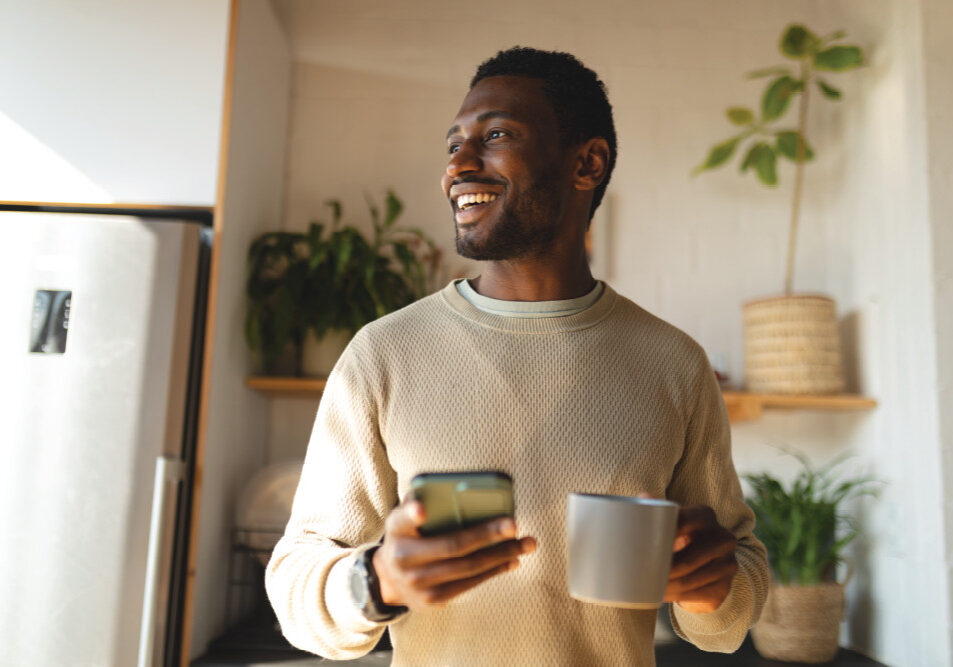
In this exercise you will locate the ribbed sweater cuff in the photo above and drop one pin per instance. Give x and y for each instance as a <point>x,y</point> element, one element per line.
<point>717,630</point>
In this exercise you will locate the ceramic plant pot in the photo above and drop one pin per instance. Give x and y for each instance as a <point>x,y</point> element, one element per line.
<point>319,356</point>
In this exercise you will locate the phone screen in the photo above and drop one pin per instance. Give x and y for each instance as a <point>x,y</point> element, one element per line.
<point>457,500</point>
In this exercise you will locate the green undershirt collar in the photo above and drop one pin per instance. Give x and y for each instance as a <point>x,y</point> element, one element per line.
<point>529,309</point>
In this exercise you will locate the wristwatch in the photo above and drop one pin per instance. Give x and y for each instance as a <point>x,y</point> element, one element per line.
<point>366,590</point>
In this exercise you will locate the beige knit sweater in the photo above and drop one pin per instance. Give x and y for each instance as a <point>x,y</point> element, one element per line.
<point>611,400</point>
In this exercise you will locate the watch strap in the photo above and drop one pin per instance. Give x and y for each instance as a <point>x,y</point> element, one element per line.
<point>374,607</point>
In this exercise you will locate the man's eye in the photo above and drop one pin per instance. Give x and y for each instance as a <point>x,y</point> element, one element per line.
<point>453,148</point>
<point>495,134</point>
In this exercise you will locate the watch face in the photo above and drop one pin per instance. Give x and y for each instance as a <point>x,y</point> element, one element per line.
<point>358,582</point>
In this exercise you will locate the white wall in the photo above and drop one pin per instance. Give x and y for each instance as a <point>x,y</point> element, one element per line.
<point>872,246</point>
<point>109,100</point>
<point>237,417</point>
<point>376,84</point>
<point>938,64</point>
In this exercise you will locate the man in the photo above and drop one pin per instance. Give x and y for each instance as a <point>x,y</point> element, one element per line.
<point>534,369</point>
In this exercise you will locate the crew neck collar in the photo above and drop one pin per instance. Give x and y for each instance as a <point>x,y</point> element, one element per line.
<point>532,325</point>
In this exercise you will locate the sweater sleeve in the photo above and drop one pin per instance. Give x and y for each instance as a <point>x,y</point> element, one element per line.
<point>706,475</point>
<point>346,490</point>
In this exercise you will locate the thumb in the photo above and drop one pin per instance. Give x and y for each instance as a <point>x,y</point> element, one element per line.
<point>406,518</point>
<point>415,508</point>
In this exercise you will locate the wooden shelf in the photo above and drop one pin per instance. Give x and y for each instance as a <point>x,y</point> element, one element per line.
<point>307,387</point>
<point>744,406</point>
<point>107,205</point>
<point>202,214</point>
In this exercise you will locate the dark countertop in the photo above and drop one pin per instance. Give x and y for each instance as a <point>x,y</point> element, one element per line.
<point>250,645</point>
<point>677,654</point>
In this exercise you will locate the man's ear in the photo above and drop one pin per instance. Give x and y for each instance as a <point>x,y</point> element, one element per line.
<point>591,164</point>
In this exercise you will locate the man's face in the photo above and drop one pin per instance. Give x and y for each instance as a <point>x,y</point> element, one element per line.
<point>507,178</point>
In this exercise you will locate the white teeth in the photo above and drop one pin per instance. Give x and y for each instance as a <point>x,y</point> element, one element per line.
<point>464,201</point>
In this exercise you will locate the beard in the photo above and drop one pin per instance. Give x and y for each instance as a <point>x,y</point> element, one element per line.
<point>526,227</point>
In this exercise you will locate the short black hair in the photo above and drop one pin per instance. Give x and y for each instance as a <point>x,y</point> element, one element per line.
<point>578,97</point>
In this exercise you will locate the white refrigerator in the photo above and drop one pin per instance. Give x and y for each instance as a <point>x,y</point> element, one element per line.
<point>103,316</point>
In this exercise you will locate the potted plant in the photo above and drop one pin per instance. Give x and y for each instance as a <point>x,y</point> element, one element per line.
<point>328,282</point>
<point>805,533</point>
<point>792,344</point>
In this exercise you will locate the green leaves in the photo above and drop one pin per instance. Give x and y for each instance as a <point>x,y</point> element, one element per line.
<point>778,95</point>
<point>408,261</point>
<point>762,156</point>
<point>342,244</point>
<point>392,209</point>
<point>323,279</point>
<point>799,525</point>
<point>740,115</point>
<point>788,146</point>
<point>828,91</point>
<point>833,37</point>
<point>839,58</point>
<point>769,71</point>
<point>335,206</point>
<point>767,142</point>
<point>719,154</point>
<point>763,159</point>
<point>318,251</point>
<point>798,42</point>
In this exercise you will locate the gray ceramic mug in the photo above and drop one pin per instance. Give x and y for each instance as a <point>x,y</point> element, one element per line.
<point>620,549</point>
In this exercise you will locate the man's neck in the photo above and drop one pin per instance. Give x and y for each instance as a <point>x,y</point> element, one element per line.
<point>534,280</point>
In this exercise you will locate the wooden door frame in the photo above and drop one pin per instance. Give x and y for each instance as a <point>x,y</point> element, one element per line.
<point>217,220</point>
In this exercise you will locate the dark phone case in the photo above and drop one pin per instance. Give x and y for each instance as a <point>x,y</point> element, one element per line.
<point>456,500</point>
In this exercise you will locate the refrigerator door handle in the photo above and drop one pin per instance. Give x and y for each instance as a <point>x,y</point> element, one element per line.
<point>169,471</point>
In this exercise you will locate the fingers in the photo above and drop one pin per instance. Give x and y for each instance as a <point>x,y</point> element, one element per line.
<point>419,571</point>
<point>440,595</point>
<point>704,564</point>
<point>692,520</point>
<point>681,541</point>
<point>703,549</point>
<point>405,519</point>
<point>471,565</point>
<point>696,517</point>
<point>714,571</point>
<point>459,543</point>
<point>705,599</point>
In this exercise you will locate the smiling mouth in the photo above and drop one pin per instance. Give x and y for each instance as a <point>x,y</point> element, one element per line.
<point>470,207</point>
<point>475,201</point>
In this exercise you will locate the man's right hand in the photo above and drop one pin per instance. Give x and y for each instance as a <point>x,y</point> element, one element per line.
<point>421,572</point>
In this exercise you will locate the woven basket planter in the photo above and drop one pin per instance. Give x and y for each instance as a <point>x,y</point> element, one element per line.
<point>800,623</point>
<point>792,346</point>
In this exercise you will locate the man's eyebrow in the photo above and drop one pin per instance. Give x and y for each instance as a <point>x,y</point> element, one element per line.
<point>483,117</point>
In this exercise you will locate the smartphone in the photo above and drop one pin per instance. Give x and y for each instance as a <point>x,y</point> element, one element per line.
<point>455,500</point>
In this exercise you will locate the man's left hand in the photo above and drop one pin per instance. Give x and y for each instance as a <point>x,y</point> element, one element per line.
<point>704,564</point>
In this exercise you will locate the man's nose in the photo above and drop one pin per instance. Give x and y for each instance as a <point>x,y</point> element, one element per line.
<point>464,161</point>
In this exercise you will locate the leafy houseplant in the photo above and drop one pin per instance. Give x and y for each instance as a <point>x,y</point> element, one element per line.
<point>792,344</point>
<point>766,139</point>
<point>798,526</point>
<point>805,534</point>
<point>332,279</point>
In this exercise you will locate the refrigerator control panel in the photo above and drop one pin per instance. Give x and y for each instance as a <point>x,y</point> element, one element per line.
<point>50,322</point>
